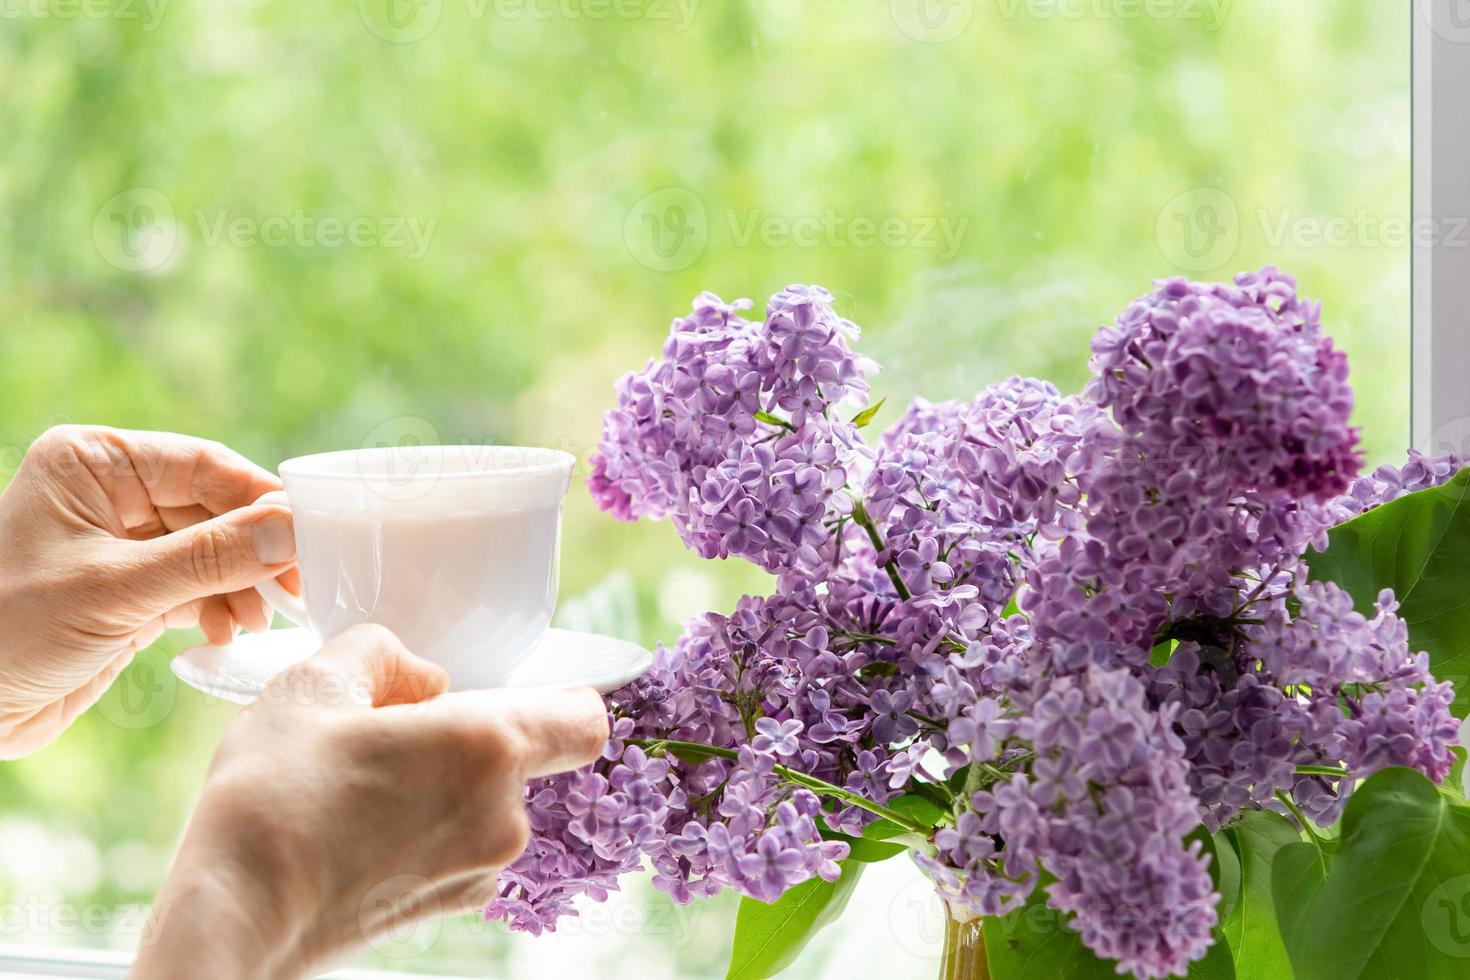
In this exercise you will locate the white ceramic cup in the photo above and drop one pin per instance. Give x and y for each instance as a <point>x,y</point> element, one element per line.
<point>453,548</point>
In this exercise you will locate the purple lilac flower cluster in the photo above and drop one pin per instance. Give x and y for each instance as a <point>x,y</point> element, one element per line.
<point>1229,416</point>
<point>1325,688</point>
<point>1103,811</point>
<point>1388,483</point>
<point>695,436</point>
<point>1232,375</point>
<point>1078,623</point>
<point>707,821</point>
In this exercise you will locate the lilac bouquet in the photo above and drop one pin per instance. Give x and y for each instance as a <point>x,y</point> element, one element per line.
<point>1047,644</point>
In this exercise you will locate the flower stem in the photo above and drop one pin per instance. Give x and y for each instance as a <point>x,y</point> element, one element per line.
<point>775,420</point>
<point>936,793</point>
<point>868,637</point>
<point>820,786</point>
<point>1301,818</point>
<point>861,519</point>
<point>1322,771</point>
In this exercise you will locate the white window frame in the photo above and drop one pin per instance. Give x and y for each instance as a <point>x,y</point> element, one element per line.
<point>32,962</point>
<point>1440,407</point>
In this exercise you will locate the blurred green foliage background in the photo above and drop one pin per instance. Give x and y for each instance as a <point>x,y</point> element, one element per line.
<point>296,227</point>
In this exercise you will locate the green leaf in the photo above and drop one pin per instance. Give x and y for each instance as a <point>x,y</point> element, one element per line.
<point>1454,783</point>
<point>1217,963</point>
<point>921,808</point>
<point>866,851</point>
<point>1225,871</point>
<point>1297,874</point>
<point>770,935</point>
<point>1392,899</point>
<point>770,419</point>
<point>1035,941</point>
<point>1248,918</point>
<point>862,850</point>
<point>1162,651</point>
<point>883,839</point>
<point>1419,546</point>
<point>942,794</point>
<point>861,419</point>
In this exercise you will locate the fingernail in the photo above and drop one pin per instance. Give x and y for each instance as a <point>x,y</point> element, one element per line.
<point>274,539</point>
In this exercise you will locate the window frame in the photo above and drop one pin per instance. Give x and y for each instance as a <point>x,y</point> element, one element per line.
<point>32,962</point>
<point>1440,291</point>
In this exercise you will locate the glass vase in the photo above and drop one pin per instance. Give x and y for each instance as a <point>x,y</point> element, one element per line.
<point>964,951</point>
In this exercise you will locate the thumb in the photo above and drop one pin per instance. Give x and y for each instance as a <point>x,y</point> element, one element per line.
<point>366,665</point>
<point>228,553</point>
<point>554,730</point>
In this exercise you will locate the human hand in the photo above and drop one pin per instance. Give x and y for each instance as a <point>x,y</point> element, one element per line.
<point>345,801</point>
<point>107,538</point>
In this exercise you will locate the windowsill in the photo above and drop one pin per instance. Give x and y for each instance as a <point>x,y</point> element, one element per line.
<point>31,962</point>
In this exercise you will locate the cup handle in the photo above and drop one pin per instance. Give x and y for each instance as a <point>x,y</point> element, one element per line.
<point>288,605</point>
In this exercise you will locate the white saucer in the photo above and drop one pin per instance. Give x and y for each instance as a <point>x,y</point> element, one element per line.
<point>239,671</point>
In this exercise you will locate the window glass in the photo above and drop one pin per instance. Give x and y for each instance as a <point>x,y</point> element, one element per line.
<point>296,227</point>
